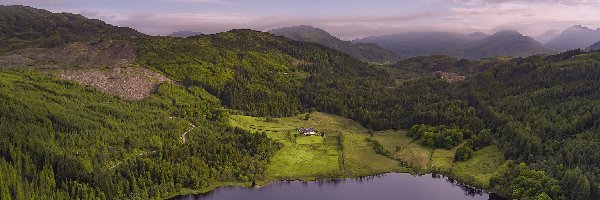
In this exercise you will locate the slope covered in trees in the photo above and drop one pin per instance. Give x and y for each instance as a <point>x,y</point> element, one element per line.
<point>26,27</point>
<point>364,51</point>
<point>64,140</point>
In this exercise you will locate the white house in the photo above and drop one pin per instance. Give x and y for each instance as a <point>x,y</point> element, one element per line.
<point>307,131</point>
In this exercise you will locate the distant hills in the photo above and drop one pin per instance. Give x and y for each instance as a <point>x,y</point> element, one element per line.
<point>504,43</point>
<point>574,37</point>
<point>594,47</point>
<point>184,34</point>
<point>472,46</point>
<point>546,36</point>
<point>422,43</point>
<point>23,26</point>
<point>363,51</point>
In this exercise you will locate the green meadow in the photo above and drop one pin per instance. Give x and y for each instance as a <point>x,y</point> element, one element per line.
<point>345,151</point>
<point>477,170</point>
<point>313,157</point>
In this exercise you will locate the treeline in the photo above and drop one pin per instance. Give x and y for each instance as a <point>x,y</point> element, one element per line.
<point>59,140</point>
<point>439,136</point>
<point>26,27</point>
<point>544,111</point>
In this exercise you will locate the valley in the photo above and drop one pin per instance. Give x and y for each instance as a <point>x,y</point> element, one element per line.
<point>89,110</point>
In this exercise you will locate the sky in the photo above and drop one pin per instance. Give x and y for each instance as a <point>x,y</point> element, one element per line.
<point>346,19</point>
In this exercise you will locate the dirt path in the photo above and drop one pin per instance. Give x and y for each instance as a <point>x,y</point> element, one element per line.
<point>184,136</point>
<point>183,140</point>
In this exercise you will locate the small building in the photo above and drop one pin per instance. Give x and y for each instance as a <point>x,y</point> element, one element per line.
<point>307,131</point>
<point>449,76</point>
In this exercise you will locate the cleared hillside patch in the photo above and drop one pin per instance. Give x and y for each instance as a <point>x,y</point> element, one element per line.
<point>131,83</point>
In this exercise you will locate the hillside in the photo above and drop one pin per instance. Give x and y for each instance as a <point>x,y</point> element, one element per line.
<point>473,46</point>
<point>594,47</point>
<point>62,137</point>
<point>546,36</point>
<point>575,37</point>
<point>184,34</point>
<point>504,43</point>
<point>24,27</point>
<point>368,52</point>
<point>431,64</point>
<point>421,43</point>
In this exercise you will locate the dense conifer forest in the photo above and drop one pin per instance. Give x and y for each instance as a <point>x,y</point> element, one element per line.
<point>59,139</point>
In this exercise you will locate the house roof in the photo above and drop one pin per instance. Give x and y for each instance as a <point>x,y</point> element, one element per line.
<point>306,130</point>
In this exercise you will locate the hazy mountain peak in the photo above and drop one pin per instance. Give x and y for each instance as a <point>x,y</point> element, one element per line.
<point>506,32</point>
<point>478,35</point>
<point>301,32</point>
<point>594,47</point>
<point>546,36</point>
<point>580,27</point>
<point>370,52</point>
<point>575,37</point>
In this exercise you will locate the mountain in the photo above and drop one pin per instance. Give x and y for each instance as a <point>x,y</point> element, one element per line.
<point>594,47</point>
<point>546,36</point>
<point>575,37</point>
<point>368,52</point>
<point>478,35</point>
<point>185,34</point>
<point>473,46</point>
<point>530,124</point>
<point>422,43</point>
<point>23,26</point>
<point>505,43</point>
<point>63,137</point>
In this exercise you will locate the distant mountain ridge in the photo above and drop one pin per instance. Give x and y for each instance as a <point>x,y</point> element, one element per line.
<point>594,47</point>
<point>185,34</point>
<point>472,46</point>
<point>25,27</point>
<point>368,52</point>
<point>421,43</point>
<point>575,37</point>
<point>546,36</point>
<point>505,43</point>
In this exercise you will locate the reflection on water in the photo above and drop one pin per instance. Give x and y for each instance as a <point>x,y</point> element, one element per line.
<point>380,187</point>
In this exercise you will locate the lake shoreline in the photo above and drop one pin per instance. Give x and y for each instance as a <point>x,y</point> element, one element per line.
<point>261,184</point>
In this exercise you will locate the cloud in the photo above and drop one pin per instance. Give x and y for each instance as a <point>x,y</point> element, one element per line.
<point>347,19</point>
<point>34,2</point>
<point>200,1</point>
<point>563,2</point>
<point>531,17</point>
<point>347,27</point>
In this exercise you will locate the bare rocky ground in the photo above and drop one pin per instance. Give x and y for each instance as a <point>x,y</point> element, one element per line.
<point>106,65</point>
<point>131,83</point>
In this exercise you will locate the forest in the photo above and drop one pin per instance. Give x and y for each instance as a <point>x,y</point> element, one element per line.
<point>62,140</point>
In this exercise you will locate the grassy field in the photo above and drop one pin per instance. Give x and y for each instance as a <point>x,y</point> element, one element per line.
<point>477,170</point>
<point>313,157</point>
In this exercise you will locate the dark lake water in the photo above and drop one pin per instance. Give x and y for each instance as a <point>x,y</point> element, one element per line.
<point>381,187</point>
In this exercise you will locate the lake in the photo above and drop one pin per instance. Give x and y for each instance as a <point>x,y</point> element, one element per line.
<point>381,187</point>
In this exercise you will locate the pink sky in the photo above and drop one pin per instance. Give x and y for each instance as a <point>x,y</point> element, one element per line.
<point>347,19</point>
